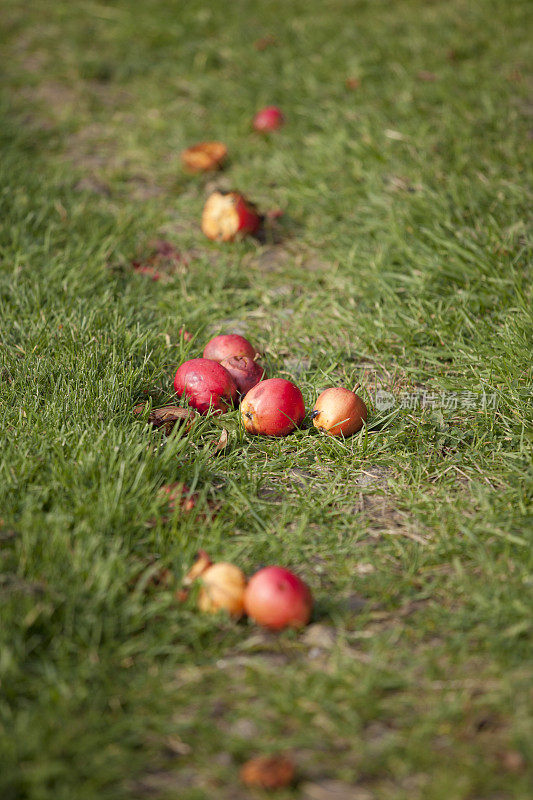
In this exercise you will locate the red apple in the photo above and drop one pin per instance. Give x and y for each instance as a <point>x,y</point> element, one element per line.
<point>276,598</point>
<point>227,215</point>
<point>268,119</point>
<point>339,412</point>
<point>245,372</point>
<point>206,384</point>
<point>273,408</point>
<point>227,345</point>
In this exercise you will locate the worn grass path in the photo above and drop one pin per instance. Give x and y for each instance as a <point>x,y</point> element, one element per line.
<point>402,264</point>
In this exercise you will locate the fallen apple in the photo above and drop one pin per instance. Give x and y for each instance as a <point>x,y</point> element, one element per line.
<point>228,344</point>
<point>204,157</point>
<point>273,408</point>
<point>268,119</point>
<point>222,589</point>
<point>245,372</point>
<point>339,412</point>
<point>268,772</point>
<point>227,215</point>
<point>206,385</point>
<point>276,598</point>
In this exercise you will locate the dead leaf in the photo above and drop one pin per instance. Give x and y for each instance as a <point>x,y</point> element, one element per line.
<point>178,494</point>
<point>264,42</point>
<point>222,442</point>
<point>163,260</point>
<point>144,269</point>
<point>512,760</point>
<point>515,76</point>
<point>152,575</point>
<point>268,772</point>
<point>164,249</point>
<point>424,75</point>
<point>353,83</point>
<point>168,416</point>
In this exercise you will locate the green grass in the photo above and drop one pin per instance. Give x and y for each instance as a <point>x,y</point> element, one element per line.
<point>402,263</point>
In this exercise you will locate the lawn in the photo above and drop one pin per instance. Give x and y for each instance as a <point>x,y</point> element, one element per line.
<point>401,264</point>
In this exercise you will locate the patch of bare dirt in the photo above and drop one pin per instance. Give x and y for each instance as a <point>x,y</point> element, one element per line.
<point>93,185</point>
<point>334,790</point>
<point>297,366</point>
<point>140,188</point>
<point>11,584</point>
<point>56,100</point>
<point>228,325</point>
<point>94,150</point>
<point>270,259</point>
<point>276,257</point>
<point>163,782</point>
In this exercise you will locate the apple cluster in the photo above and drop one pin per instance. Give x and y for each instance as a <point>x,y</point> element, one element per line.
<point>229,370</point>
<point>274,597</point>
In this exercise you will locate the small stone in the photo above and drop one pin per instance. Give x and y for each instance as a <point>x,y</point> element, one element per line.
<point>319,636</point>
<point>245,728</point>
<point>354,603</point>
